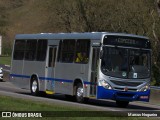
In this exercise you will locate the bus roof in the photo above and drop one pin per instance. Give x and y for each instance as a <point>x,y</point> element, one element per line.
<point>87,35</point>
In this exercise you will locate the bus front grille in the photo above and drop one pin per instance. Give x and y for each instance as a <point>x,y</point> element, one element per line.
<point>122,83</point>
<point>122,89</point>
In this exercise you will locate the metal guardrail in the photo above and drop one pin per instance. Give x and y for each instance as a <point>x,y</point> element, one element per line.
<point>155,87</point>
<point>6,70</point>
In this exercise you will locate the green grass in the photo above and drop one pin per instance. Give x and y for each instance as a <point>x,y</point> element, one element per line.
<point>15,104</point>
<point>6,60</point>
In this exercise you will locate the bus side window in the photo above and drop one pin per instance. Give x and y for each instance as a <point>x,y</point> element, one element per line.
<point>82,51</point>
<point>30,52</point>
<point>19,49</point>
<point>41,50</point>
<point>68,50</point>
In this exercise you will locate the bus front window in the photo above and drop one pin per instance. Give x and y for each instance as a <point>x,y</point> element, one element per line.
<point>125,63</point>
<point>139,64</point>
<point>114,62</point>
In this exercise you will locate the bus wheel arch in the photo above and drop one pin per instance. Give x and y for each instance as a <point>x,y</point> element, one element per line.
<point>76,82</point>
<point>34,85</point>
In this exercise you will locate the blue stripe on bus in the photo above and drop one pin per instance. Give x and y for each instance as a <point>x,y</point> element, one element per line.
<point>55,79</point>
<point>21,76</point>
<point>46,78</point>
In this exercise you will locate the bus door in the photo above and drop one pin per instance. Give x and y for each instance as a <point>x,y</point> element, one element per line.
<point>51,67</point>
<point>94,69</point>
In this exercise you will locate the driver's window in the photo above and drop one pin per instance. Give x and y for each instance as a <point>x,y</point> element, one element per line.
<point>138,58</point>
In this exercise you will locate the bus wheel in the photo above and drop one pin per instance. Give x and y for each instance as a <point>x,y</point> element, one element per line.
<point>34,87</point>
<point>79,93</point>
<point>122,104</point>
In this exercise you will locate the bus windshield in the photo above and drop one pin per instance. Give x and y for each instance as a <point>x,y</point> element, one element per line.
<point>126,63</point>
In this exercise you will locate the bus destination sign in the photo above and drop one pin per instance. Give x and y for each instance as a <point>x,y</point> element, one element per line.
<point>126,41</point>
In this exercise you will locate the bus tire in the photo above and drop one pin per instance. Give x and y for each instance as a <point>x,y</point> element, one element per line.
<point>79,93</point>
<point>34,87</point>
<point>122,104</point>
<point>70,98</point>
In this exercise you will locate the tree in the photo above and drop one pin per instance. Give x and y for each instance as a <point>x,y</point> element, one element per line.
<point>158,6</point>
<point>3,20</point>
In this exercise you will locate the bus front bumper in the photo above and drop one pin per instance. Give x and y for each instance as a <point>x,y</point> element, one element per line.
<point>103,93</point>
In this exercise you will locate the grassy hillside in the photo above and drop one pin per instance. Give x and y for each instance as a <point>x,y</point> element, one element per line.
<point>36,16</point>
<point>28,18</point>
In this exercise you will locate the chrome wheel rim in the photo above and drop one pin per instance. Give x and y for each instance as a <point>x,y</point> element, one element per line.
<point>80,92</point>
<point>34,86</point>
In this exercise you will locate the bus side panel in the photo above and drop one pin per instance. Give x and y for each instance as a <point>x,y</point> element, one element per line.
<point>37,68</point>
<point>66,73</point>
<point>16,73</point>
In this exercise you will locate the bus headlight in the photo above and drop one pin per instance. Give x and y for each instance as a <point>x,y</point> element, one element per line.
<point>104,84</point>
<point>145,88</point>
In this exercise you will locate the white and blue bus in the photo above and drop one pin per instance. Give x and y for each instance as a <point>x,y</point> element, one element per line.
<point>98,65</point>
